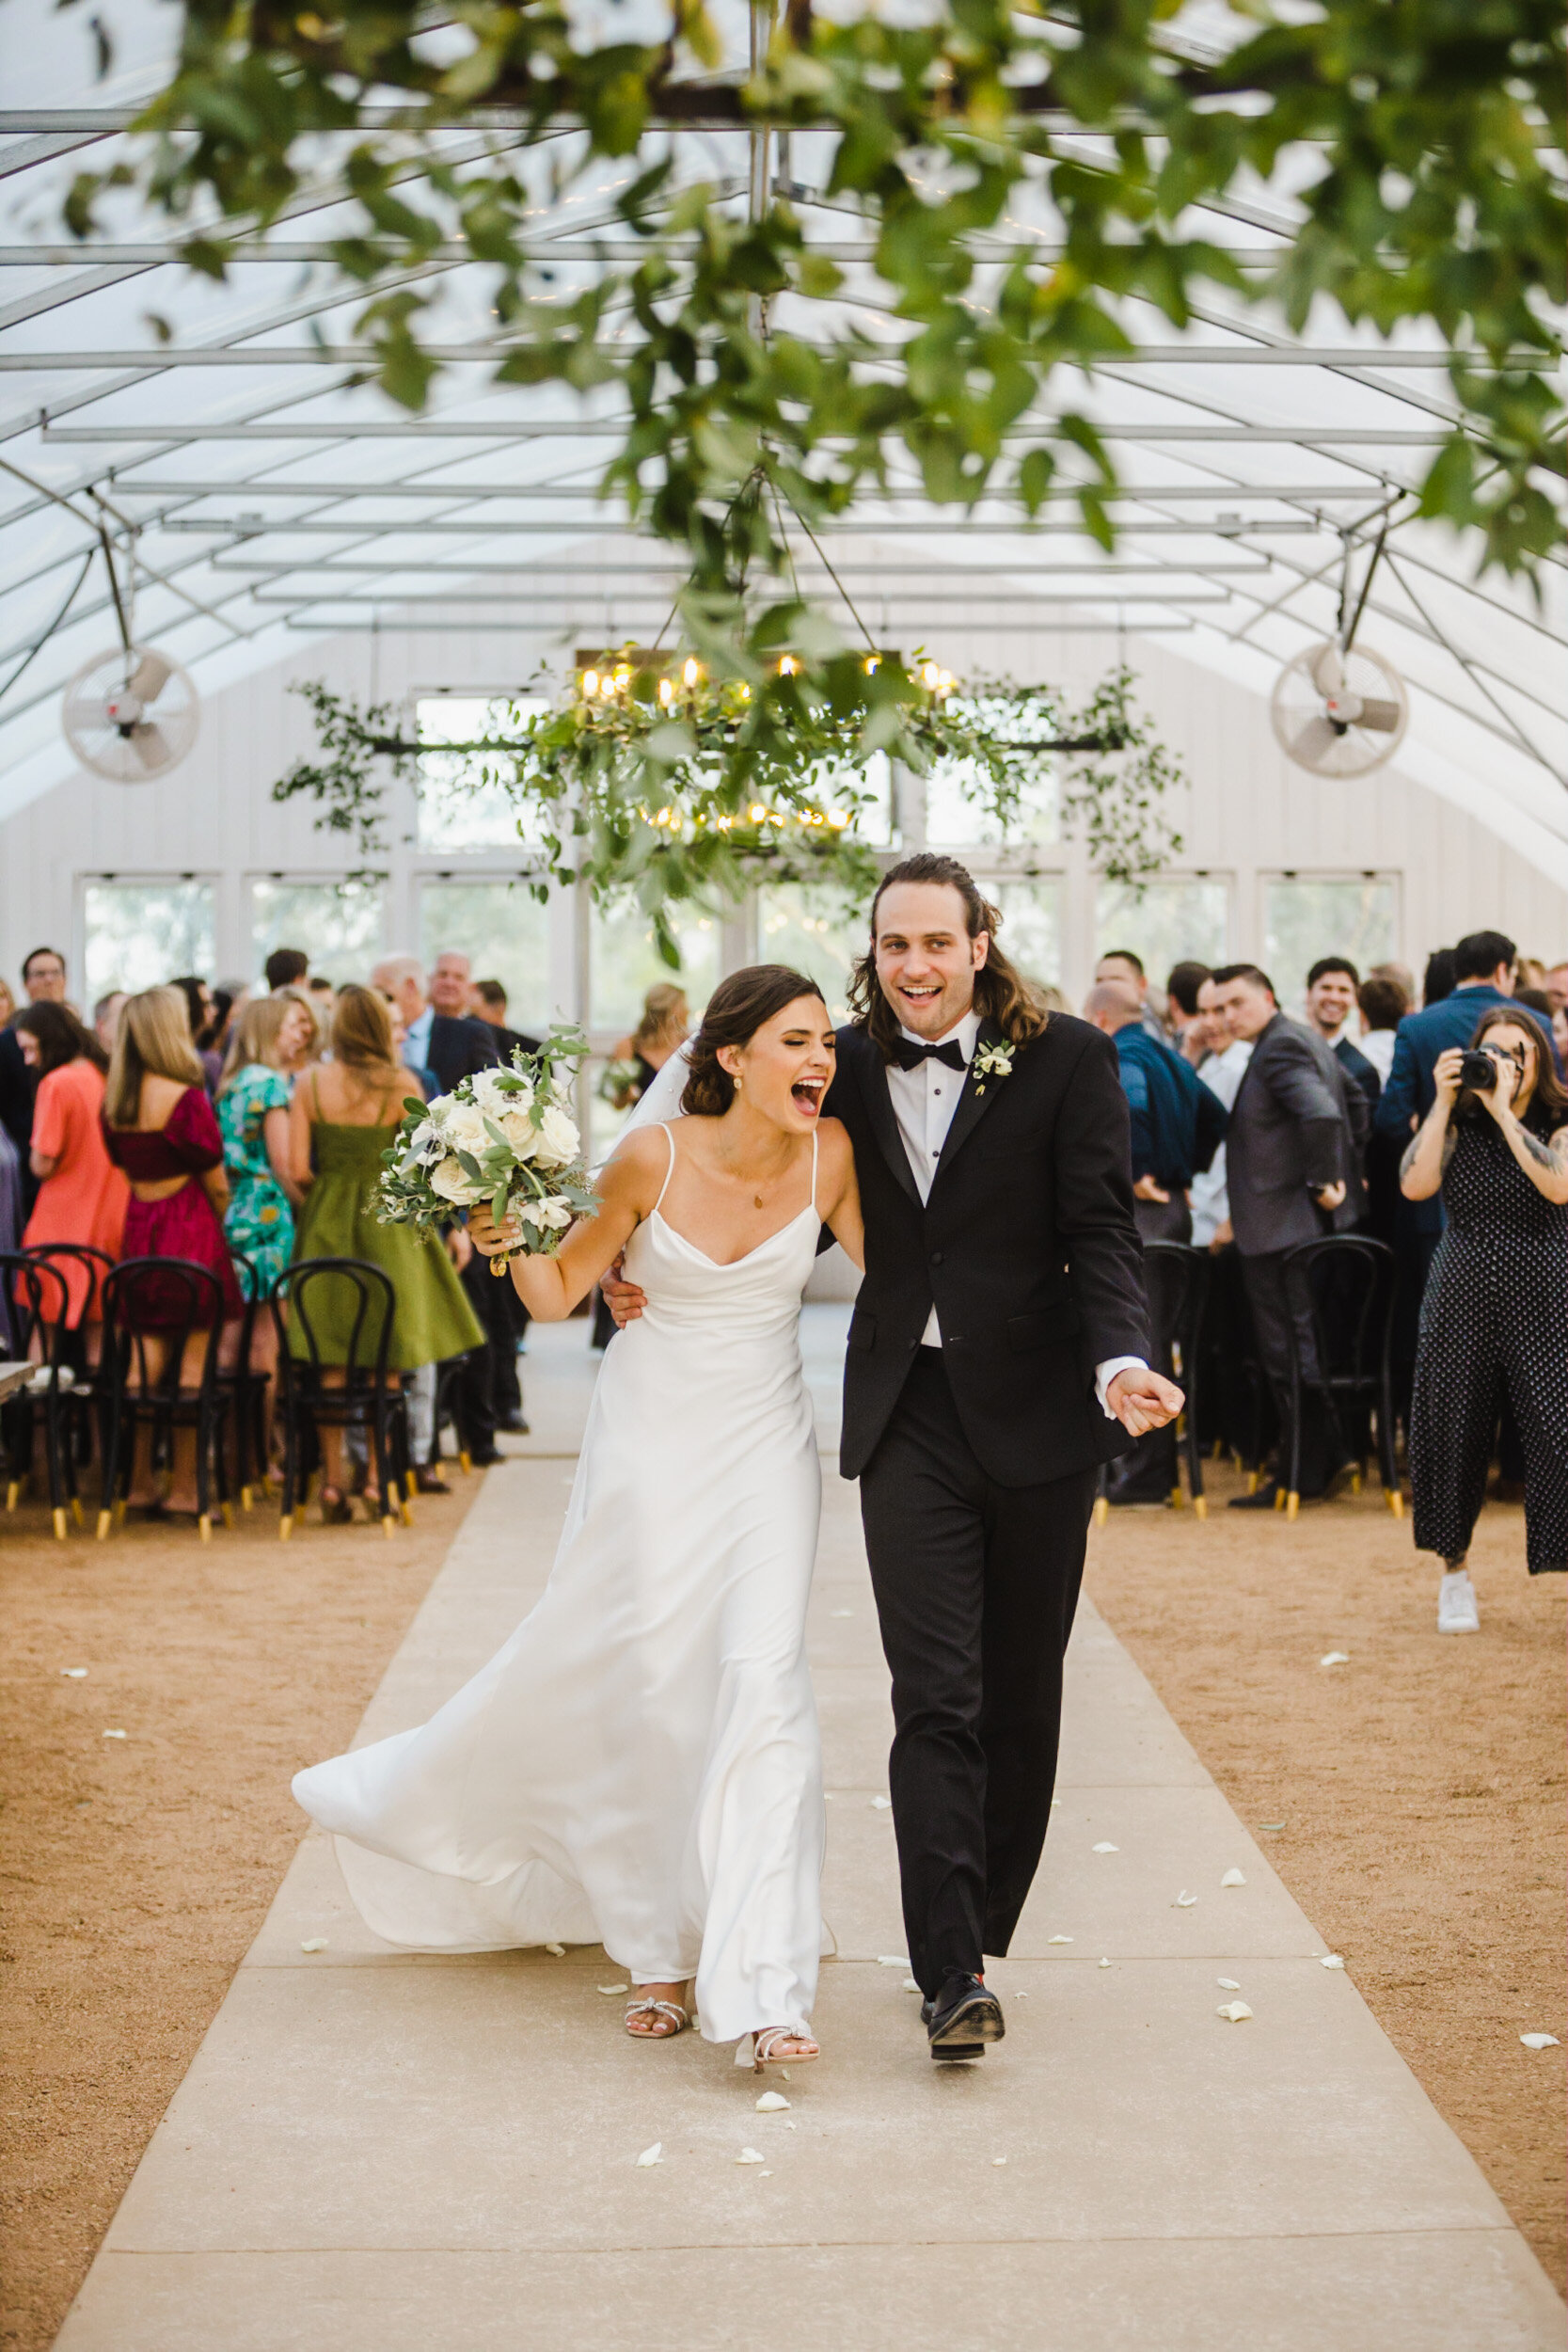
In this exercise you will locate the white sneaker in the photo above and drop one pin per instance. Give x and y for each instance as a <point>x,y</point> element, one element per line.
<point>1456,1604</point>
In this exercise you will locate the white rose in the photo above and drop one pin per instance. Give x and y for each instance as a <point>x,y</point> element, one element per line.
<point>517,1128</point>
<point>449,1182</point>
<point>464,1127</point>
<point>552,1215</point>
<point>557,1139</point>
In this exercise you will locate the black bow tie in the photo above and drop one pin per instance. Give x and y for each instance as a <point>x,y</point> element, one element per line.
<point>909,1055</point>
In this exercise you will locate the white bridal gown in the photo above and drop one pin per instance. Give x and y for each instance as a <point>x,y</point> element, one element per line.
<point>639,1765</point>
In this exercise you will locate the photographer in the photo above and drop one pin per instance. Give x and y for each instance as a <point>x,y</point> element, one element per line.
<point>1494,1143</point>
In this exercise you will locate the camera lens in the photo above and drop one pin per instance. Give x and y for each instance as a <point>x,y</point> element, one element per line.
<point>1479,1071</point>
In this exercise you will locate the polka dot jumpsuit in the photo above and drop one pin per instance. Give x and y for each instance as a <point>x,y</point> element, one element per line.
<point>1496,1310</point>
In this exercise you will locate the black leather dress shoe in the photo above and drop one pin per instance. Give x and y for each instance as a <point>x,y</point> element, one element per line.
<point>1266,1497</point>
<point>964,2018</point>
<point>513,1424</point>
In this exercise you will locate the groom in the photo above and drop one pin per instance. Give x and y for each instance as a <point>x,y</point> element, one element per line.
<point>996,1358</point>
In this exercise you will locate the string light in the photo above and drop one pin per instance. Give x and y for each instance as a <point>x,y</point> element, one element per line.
<point>691,672</point>
<point>666,692</point>
<point>589,683</point>
<point>788,665</point>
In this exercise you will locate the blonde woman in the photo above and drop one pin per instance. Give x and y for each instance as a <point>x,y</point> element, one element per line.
<point>341,1121</point>
<point>253,1116</point>
<point>161,1129</point>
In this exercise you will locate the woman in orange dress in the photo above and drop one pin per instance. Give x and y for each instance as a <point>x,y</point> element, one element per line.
<point>82,1197</point>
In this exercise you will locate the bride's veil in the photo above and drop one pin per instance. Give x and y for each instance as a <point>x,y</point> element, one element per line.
<point>662,1101</point>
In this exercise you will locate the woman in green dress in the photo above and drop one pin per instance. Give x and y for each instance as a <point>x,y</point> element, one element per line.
<point>341,1120</point>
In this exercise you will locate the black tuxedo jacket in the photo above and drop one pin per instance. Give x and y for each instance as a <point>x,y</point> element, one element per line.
<point>457,1048</point>
<point>1027,1250</point>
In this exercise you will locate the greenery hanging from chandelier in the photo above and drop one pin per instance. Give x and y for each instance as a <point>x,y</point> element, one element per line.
<point>677,779</point>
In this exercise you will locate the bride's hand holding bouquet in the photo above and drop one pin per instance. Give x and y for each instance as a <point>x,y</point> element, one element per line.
<point>504,1147</point>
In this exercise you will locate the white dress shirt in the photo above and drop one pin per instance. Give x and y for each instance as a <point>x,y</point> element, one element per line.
<point>416,1046</point>
<point>1378,1046</point>
<point>923,1101</point>
<point>1222,1074</point>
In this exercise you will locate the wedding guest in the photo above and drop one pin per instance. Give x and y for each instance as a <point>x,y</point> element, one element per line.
<point>286,967</point>
<point>253,1120</point>
<point>445,1039</point>
<point>1437,980</point>
<point>1292,1172</point>
<point>81,1197</point>
<point>340,1124</point>
<point>43,981</point>
<point>106,1020</point>
<point>1331,987</point>
<point>322,999</point>
<point>1227,1400</point>
<point>161,1129</point>
<point>11,1214</point>
<point>1494,1321</point>
<point>198,1010</point>
<point>1186,1029</point>
<point>488,1004</point>
<point>1382,1005</point>
<point>8,1004</point>
<point>1121,964</point>
<point>661,1030</point>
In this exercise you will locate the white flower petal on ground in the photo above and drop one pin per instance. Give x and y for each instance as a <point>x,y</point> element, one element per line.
<point>116,1735</point>
<point>749,2155</point>
<point>1184,1902</point>
<point>652,2155</point>
<point>1234,1878</point>
<point>772,2102</point>
<point>314,1943</point>
<point>1234,2010</point>
<point>880,1805</point>
<point>893,1959</point>
<point>1059,1939</point>
<point>1540,2042</point>
<point>75,1674</point>
<point>1104,1963</point>
<point>999,2159</point>
<point>911,1984</point>
<point>1330,1960</point>
<point>1104,1847</point>
<point>1335,1658</point>
<point>1228,1984</point>
<point>613,1988</point>
<point>840,1613</point>
<point>556,1951</point>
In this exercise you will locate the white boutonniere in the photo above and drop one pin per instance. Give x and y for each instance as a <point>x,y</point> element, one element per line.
<point>993,1061</point>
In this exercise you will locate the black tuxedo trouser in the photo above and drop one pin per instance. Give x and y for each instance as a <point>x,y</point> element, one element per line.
<point>975,1585</point>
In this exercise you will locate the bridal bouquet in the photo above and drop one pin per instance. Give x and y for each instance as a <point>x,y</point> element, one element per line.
<point>504,1138</point>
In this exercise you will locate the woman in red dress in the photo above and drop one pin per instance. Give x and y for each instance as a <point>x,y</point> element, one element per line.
<point>82,1197</point>
<point>161,1129</point>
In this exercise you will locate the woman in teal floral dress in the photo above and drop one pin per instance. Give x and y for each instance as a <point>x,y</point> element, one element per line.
<point>253,1115</point>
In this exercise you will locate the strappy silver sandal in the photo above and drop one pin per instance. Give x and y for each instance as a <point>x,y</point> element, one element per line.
<point>765,2051</point>
<point>678,2017</point>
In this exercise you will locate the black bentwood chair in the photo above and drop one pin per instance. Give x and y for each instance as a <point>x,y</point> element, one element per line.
<point>1345,1284</point>
<point>162,1302</point>
<point>75,1397</point>
<point>39,1304</point>
<point>246,1391</point>
<point>365,1399</point>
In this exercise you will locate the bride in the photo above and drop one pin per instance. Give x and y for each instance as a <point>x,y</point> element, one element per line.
<point>640,1765</point>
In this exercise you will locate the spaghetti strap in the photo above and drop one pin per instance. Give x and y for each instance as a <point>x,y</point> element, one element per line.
<point>813,1170</point>
<point>669,1139</point>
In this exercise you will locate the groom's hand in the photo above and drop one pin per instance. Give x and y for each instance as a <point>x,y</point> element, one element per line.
<point>1143,1400</point>
<point>623,1299</point>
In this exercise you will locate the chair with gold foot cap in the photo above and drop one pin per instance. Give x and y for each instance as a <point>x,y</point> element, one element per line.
<point>1341,1290</point>
<point>156,1313</point>
<point>344,1381</point>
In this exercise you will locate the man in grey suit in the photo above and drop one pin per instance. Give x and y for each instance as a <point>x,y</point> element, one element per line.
<point>1293,1172</point>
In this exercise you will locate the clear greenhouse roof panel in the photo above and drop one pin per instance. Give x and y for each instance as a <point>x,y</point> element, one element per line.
<point>270,496</point>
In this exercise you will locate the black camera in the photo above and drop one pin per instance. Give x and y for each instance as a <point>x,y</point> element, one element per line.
<point>1479,1071</point>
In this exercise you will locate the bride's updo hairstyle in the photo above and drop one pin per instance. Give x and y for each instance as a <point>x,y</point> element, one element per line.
<point>736,1009</point>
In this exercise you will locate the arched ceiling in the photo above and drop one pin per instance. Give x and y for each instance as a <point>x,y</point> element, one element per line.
<point>272,496</point>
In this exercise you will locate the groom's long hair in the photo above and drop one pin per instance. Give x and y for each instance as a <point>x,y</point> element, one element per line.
<point>1001,994</point>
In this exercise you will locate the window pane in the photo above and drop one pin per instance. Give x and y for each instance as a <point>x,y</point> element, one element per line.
<point>141,932</point>
<point>1303,920</point>
<point>624,963</point>
<point>816,932</point>
<point>1172,922</point>
<point>504,932</point>
<point>874,783</point>
<point>1031,927</point>
<point>458,808</point>
<point>336,925</point>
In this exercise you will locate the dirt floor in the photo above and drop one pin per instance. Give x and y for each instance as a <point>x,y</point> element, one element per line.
<point>1416,1790</point>
<point>137,1872</point>
<point>1419,1787</point>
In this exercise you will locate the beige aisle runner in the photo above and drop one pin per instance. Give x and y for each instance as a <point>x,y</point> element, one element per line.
<point>374,2152</point>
